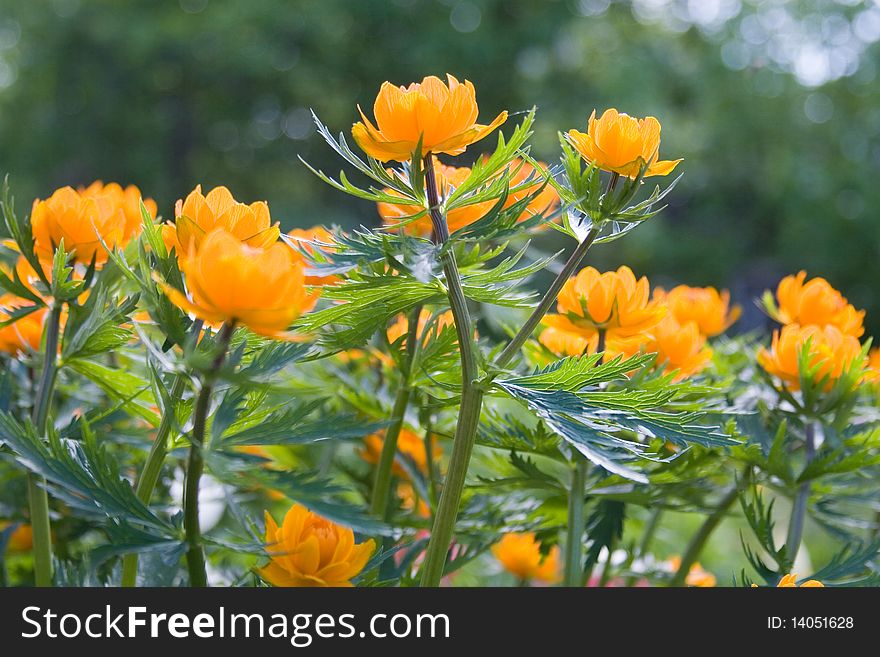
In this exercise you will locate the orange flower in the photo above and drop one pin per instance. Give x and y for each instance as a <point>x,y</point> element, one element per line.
<point>401,326</point>
<point>520,554</point>
<point>832,351</point>
<point>790,581</point>
<point>21,539</point>
<point>303,236</point>
<point>706,306</point>
<point>24,334</point>
<point>198,215</point>
<point>228,280</point>
<point>308,550</point>
<point>679,347</point>
<point>545,201</point>
<point>614,301</point>
<point>126,203</point>
<point>82,222</point>
<point>874,362</point>
<point>622,144</point>
<point>565,338</point>
<point>448,178</point>
<point>816,302</point>
<point>696,575</point>
<point>443,115</point>
<point>407,495</point>
<point>410,445</point>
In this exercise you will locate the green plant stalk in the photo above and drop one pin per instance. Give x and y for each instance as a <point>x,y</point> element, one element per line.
<point>698,542</point>
<point>195,554</point>
<point>38,498</point>
<point>150,475</point>
<point>547,300</point>
<point>431,467</point>
<point>574,538</point>
<point>799,507</point>
<point>647,537</point>
<point>384,469</point>
<point>471,398</point>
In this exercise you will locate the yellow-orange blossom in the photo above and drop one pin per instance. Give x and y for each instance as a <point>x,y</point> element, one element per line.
<point>443,115</point>
<point>622,144</point>
<point>520,554</point>
<point>309,550</point>
<point>228,280</point>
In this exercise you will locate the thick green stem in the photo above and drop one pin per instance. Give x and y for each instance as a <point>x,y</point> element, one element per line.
<point>38,498</point>
<point>799,507</point>
<point>471,399</point>
<point>195,554</point>
<point>547,300</point>
<point>384,469</point>
<point>698,542</point>
<point>575,536</point>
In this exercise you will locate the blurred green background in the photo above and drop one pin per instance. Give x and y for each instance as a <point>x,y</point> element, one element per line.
<point>773,104</point>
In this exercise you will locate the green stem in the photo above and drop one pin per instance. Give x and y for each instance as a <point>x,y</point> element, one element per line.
<point>698,542</point>
<point>384,469</point>
<point>471,398</point>
<point>150,475</point>
<point>195,554</point>
<point>575,536</point>
<point>547,300</point>
<point>38,498</point>
<point>799,507</point>
<point>155,460</point>
<point>431,466</point>
<point>647,536</point>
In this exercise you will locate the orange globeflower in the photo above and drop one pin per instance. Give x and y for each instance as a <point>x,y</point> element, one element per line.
<point>520,554</point>
<point>81,221</point>
<point>410,445</point>
<point>874,362</point>
<point>816,302</point>
<point>833,351</point>
<point>303,238</point>
<point>622,144</point>
<point>545,201</point>
<point>310,551</point>
<point>441,114</point>
<point>228,280</point>
<point>126,203</point>
<point>448,178</point>
<point>679,347</point>
<point>613,301</point>
<point>24,334</point>
<point>706,306</point>
<point>199,214</point>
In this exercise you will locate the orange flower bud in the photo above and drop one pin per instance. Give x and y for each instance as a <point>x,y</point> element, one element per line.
<point>696,575</point>
<point>622,144</point>
<point>816,302</point>
<point>409,444</point>
<point>613,300</point>
<point>198,215</point>
<point>520,554</point>
<point>308,550</point>
<point>442,114</point>
<point>831,350</point>
<point>228,280</point>
<point>706,306</point>
<point>82,221</point>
